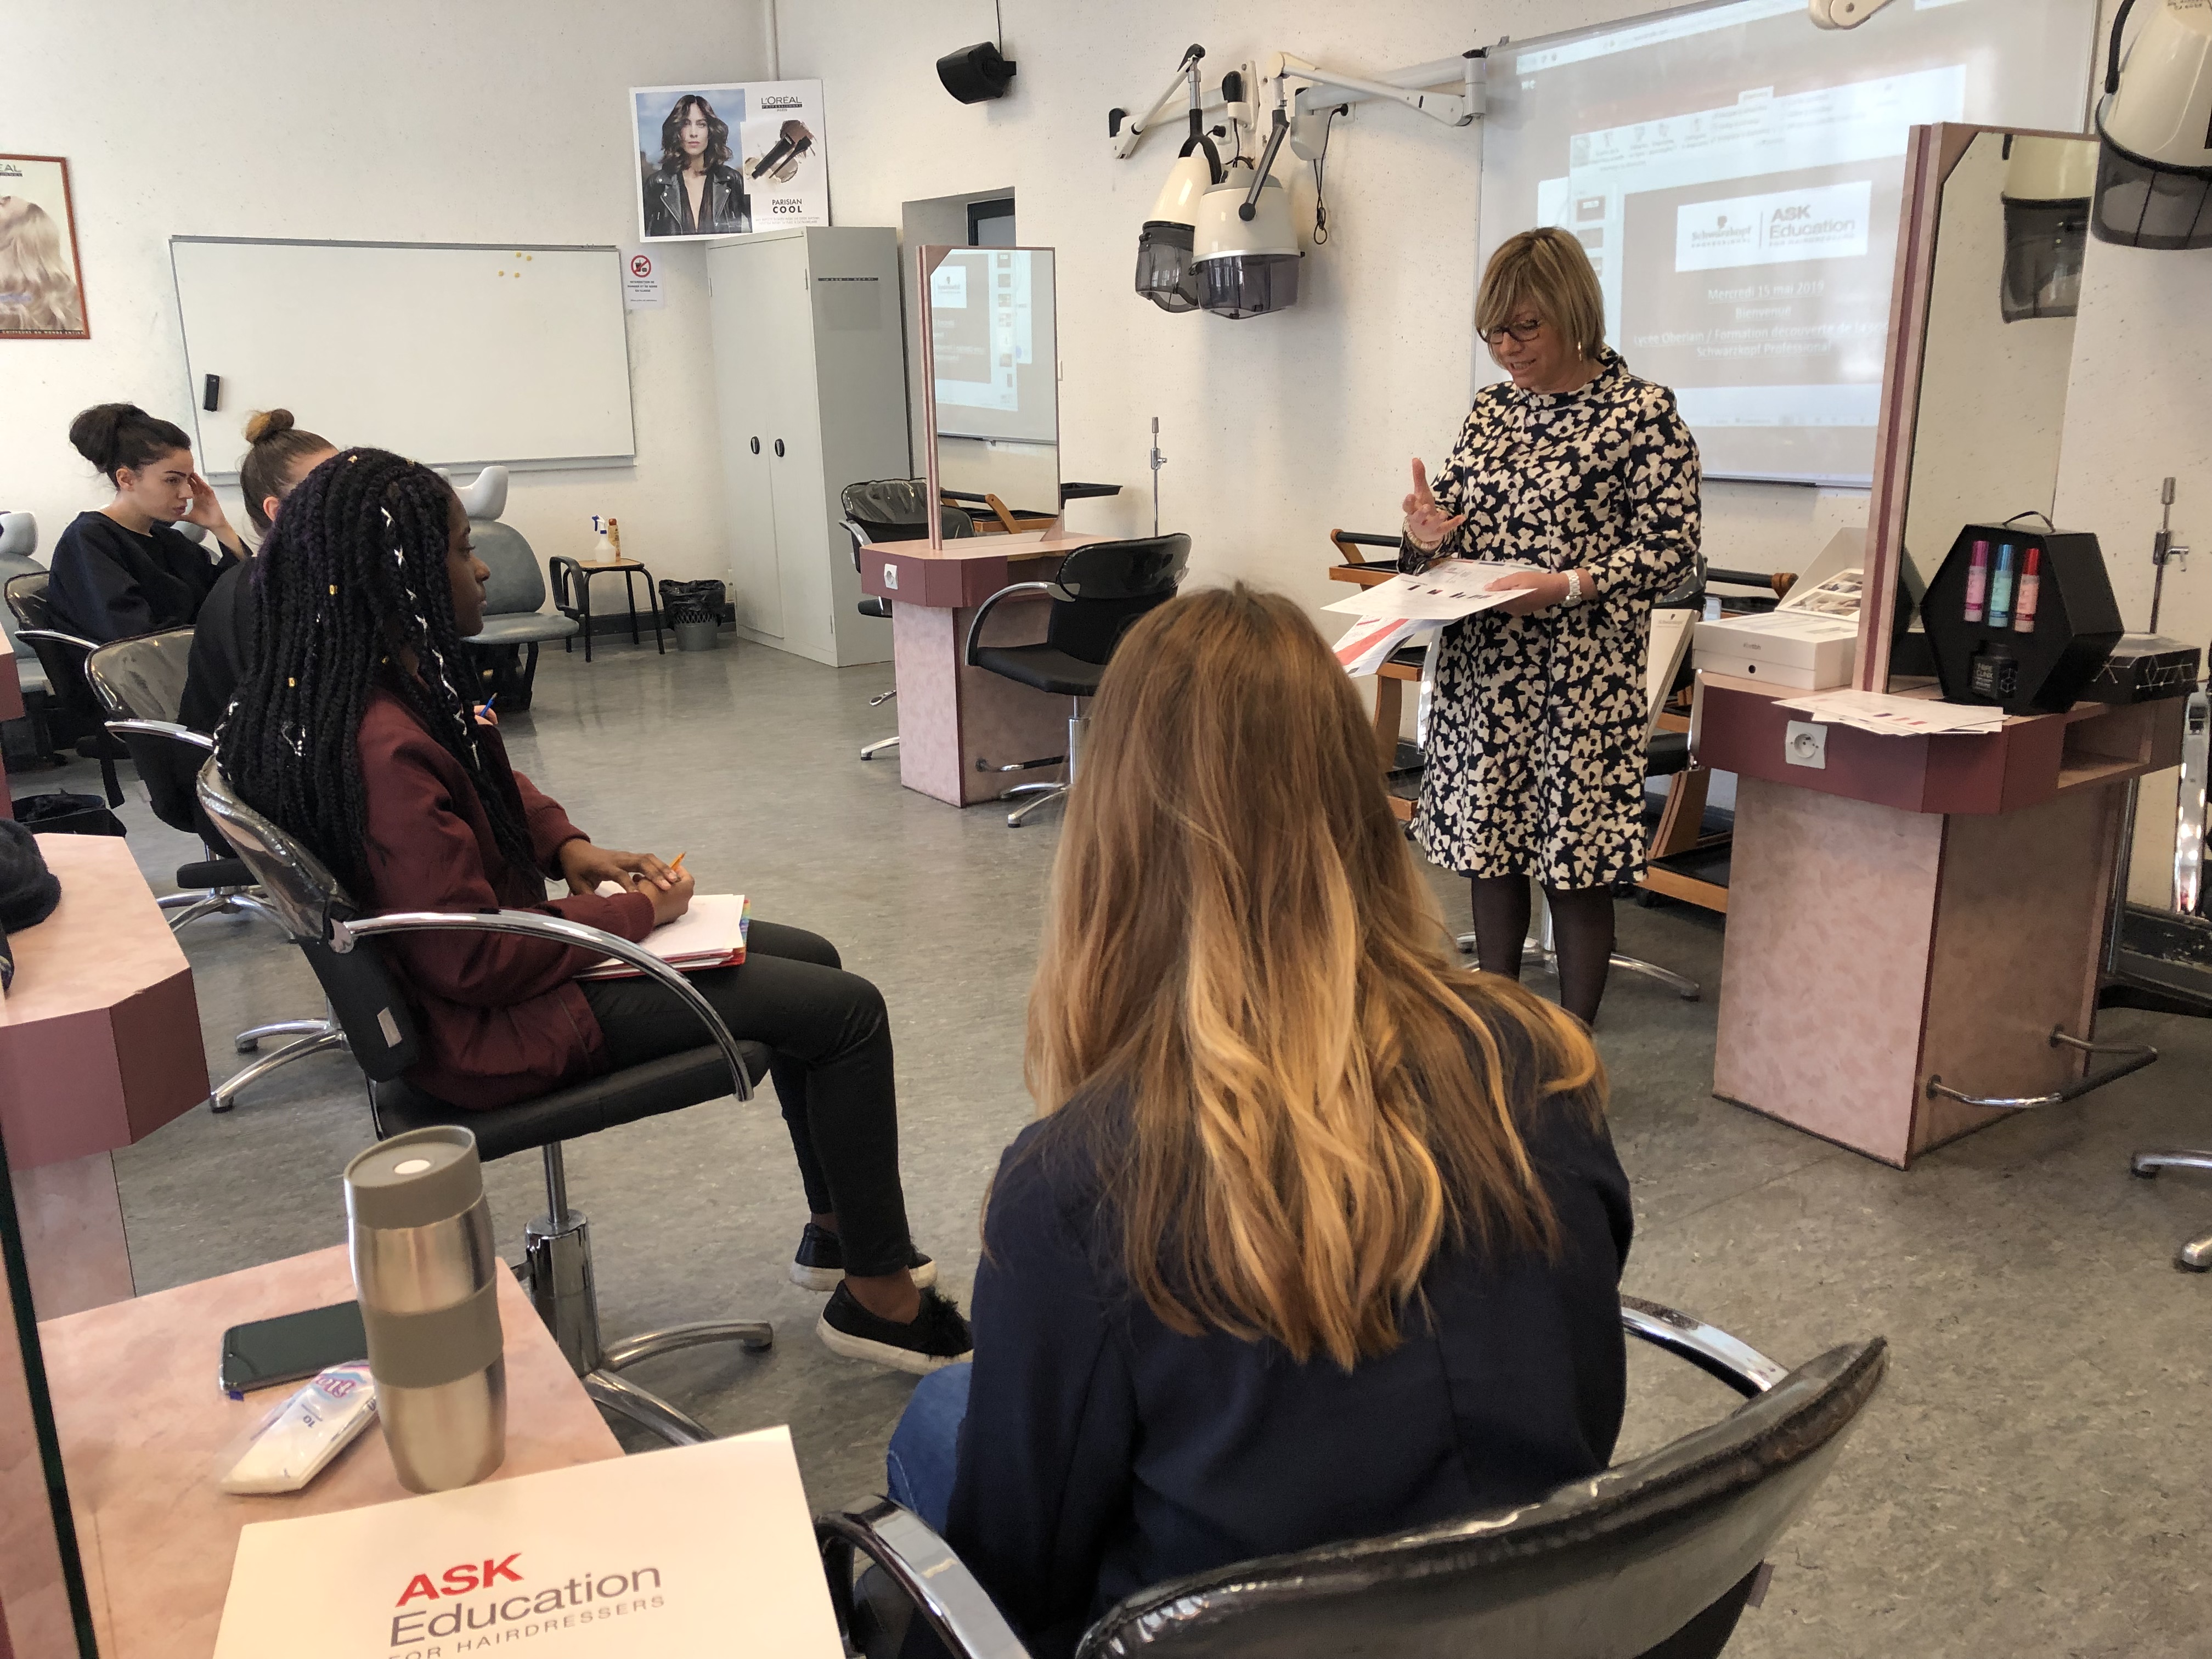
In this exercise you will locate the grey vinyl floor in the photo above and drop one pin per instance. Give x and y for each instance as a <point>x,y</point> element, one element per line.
<point>2032,1480</point>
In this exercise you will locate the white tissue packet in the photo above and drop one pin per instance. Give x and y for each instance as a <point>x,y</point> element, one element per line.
<point>303,1434</point>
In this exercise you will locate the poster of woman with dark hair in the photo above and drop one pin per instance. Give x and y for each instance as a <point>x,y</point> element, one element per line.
<point>698,175</point>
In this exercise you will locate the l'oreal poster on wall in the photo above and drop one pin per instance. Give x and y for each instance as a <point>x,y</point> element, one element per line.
<point>723,159</point>
<point>41,277</point>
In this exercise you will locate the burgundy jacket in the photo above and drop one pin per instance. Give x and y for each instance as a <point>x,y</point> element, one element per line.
<point>501,1017</point>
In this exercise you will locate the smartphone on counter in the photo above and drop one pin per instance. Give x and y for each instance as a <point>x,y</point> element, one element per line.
<point>267,1352</point>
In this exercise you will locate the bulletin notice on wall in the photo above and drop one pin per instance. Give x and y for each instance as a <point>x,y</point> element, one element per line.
<point>696,1552</point>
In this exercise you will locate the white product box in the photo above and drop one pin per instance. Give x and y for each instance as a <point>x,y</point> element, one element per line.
<point>1802,650</point>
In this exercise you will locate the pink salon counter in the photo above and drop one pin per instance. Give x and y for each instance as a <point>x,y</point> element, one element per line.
<point>1921,910</point>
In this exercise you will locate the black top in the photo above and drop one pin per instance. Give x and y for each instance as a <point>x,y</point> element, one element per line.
<point>109,583</point>
<point>725,208</point>
<point>222,648</point>
<point>1104,1453</point>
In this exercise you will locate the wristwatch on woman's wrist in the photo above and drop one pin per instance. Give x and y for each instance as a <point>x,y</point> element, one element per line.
<point>1574,595</point>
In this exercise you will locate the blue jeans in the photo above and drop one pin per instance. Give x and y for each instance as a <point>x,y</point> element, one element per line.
<point>924,1449</point>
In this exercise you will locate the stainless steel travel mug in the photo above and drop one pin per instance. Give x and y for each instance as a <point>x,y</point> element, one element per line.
<point>424,1268</point>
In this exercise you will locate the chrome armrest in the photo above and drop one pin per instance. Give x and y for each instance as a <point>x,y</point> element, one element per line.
<point>975,627</point>
<point>956,1608</point>
<point>55,634</point>
<point>1708,1347</point>
<point>557,930</point>
<point>168,729</point>
<point>859,540</point>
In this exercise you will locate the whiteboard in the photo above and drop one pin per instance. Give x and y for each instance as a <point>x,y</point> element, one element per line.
<point>1734,174</point>
<point>451,354</point>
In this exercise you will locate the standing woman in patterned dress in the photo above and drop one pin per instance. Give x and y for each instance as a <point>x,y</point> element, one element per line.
<point>1538,725</point>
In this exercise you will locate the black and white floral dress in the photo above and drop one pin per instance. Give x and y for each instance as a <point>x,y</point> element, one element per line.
<point>1537,729</point>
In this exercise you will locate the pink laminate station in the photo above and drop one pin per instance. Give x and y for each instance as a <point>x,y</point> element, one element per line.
<point>100,1046</point>
<point>955,721</point>
<point>1920,907</point>
<point>144,1429</point>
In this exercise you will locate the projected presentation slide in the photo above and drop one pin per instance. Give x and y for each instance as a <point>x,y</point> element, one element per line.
<point>991,332</point>
<point>1735,175</point>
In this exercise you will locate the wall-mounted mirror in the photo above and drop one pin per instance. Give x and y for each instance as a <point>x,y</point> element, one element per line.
<point>990,357</point>
<point>1981,346</point>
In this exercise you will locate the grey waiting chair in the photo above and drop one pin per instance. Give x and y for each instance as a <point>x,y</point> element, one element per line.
<point>515,623</point>
<point>339,943</point>
<point>1655,1558</point>
<point>892,510</point>
<point>1097,594</point>
<point>140,682</point>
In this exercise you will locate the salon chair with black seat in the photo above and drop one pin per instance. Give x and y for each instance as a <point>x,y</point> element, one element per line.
<point>18,539</point>
<point>75,716</point>
<point>140,683</point>
<point>1657,1558</point>
<point>1097,594</point>
<point>892,510</point>
<point>340,946</point>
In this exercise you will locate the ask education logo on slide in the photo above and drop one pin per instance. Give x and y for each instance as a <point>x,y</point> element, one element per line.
<point>1826,222</point>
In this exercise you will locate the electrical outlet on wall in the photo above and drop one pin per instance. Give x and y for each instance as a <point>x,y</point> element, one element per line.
<point>1804,743</point>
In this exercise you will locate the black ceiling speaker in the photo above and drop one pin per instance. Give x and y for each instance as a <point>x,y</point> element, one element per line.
<point>976,74</point>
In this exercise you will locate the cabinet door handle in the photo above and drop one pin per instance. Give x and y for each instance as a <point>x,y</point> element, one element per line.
<point>757,446</point>
<point>779,449</point>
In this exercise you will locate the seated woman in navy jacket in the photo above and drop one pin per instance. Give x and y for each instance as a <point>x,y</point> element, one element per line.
<point>351,730</point>
<point>1320,1234</point>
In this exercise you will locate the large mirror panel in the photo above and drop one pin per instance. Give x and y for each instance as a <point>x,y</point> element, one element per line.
<point>990,370</point>
<point>1983,326</point>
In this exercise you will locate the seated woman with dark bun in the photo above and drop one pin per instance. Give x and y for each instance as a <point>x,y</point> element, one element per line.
<point>278,455</point>
<point>352,731</point>
<point>1320,1234</point>
<point>122,570</point>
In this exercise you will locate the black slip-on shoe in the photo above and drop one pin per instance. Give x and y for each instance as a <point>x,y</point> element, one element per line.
<point>933,1339</point>
<point>819,1264</point>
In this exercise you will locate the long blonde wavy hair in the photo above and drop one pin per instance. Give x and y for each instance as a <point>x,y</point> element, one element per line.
<point>38,288</point>
<point>1310,1095</point>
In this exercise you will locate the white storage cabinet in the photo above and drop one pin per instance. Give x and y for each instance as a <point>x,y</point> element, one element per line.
<point>811,389</point>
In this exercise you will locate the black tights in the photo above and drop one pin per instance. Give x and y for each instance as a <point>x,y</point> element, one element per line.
<point>1581,931</point>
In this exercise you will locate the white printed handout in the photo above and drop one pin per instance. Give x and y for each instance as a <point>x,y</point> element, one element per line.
<point>1443,593</point>
<point>1889,716</point>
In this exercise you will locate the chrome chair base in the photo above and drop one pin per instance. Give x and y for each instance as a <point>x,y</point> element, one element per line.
<point>2195,1255</point>
<point>1547,961</point>
<point>184,908</point>
<point>557,1274</point>
<point>316,1036</point>
<point>881,745</point>
<point>1047,793</point>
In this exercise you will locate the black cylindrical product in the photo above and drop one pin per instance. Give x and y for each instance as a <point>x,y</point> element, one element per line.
<point>425,1272</point>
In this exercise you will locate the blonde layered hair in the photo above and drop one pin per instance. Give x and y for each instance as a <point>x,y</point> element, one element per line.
<point>1308,1095</point>
<point>1545,271</point>
<point>38,287</point>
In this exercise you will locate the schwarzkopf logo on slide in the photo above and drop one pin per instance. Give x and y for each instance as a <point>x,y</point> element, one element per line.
<point>1824,222</point>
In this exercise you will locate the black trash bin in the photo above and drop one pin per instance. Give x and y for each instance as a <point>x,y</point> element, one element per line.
<point>694,612</point>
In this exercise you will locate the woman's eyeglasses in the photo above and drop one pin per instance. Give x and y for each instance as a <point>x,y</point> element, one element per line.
<point>1524,332</point>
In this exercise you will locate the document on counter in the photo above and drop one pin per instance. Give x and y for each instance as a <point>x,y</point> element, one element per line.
<point>1886,715</point>
<point>695,1553</point>
<point>1443,593</point>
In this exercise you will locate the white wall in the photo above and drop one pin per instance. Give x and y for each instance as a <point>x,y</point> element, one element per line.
<point>1275,429</point>
<point>405,121</point>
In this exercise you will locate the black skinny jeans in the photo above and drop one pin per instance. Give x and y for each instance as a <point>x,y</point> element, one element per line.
<point>832,1067</point>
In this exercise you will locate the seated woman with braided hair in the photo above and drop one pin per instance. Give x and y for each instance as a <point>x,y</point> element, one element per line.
<point>351,731</point>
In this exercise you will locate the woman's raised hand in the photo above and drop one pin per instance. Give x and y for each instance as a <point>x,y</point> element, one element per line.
<point>1427,523</point>
<point>206,511</point>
